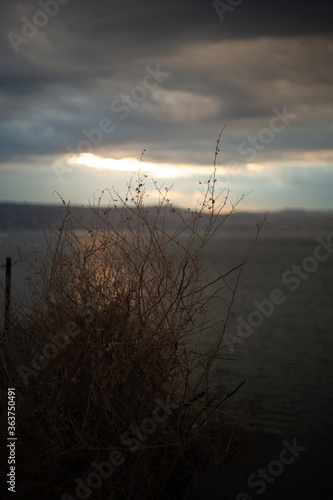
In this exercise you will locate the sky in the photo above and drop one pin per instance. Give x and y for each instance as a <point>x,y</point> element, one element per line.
<point>87,87</point>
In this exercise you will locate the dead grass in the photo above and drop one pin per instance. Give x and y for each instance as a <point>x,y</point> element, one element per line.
<point>115,323</point>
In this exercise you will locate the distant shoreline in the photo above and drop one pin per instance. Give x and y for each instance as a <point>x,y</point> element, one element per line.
<point>22,217</point>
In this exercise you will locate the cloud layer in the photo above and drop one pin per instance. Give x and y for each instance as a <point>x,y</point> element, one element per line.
<point>89,60</point>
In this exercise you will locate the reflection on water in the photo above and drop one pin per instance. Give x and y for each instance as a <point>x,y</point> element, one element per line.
<point>287,362</point>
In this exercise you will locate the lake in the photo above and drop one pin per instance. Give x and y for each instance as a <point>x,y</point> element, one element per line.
<point>286,356</point>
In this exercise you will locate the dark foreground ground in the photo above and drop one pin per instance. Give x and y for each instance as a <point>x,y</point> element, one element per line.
<point>278,468</point>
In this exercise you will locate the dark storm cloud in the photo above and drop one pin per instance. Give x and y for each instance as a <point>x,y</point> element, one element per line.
<point>151,20</point>
<point>66,77</point>
<point>88,32</point>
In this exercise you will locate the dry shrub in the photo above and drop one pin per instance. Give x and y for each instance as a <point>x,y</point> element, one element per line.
<point>114,324</point>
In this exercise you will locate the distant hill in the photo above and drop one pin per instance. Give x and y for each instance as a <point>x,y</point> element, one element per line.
<point>21,217</point>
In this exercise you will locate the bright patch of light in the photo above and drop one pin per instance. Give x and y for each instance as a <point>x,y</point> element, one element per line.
<point>254,167</point>
<point>156,170</point>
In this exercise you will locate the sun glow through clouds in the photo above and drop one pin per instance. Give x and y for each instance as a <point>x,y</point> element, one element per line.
<point>157,170</point>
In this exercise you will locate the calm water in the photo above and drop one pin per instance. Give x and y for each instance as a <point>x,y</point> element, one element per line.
<point>287,361</point>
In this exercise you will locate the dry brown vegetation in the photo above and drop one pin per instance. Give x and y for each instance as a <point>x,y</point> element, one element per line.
<point>115,324</point>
